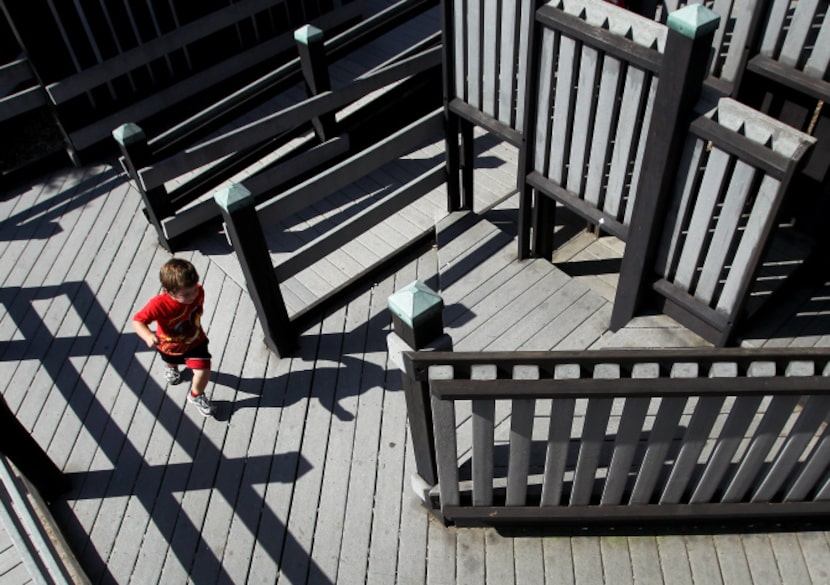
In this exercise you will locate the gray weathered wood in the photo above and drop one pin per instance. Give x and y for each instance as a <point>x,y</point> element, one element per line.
<point>593,435</point>
<point>628,438</point>
<point>483,429</point>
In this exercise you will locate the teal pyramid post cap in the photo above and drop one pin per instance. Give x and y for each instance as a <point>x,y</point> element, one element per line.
<point>233,197</point>
<point>308,34</point>
<point>128,133</point>
<point>693,20</point>
<point>414,301</point>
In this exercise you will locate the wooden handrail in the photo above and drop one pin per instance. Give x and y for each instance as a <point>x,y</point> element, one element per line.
<point>284,120</point>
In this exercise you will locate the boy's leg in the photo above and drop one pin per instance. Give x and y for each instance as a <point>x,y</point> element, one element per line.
<point>200,381</point>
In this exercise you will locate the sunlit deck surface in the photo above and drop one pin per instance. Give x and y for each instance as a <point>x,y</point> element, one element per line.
<point>304,474</point>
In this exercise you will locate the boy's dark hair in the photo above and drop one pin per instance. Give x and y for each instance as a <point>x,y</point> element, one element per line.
<point>176,274</point>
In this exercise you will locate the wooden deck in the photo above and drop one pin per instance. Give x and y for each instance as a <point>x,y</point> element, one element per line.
<point>304,474</point>
<point>303,477</point>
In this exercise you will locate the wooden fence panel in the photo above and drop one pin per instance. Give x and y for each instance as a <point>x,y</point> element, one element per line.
<point>724,208</point>
<point>701,434</point>
<point>489,50</point>
<point>597,81</point>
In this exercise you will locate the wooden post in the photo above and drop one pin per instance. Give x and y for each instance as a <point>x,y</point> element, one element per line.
<point>528,213</point>
<point>417,322</point>
<point>468,164</point>
<point>133,144</point>
<point>451,120</point>
<point>245,233</point>
<point>316,73</point>
<point>684,67</point>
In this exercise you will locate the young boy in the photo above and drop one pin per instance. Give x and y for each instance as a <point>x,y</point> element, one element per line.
<point>179,337</point>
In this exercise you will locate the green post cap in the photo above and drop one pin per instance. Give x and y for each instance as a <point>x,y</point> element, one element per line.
<point>308,34</point>
<point>414,301</point>
<point>128,134</point>
<point>233,197</point>
<point>693,21</point>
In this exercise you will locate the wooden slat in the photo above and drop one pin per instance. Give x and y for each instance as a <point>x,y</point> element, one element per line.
<point>665,426</point>
<point>546,84</point>
<point>593,436</point>
<point>443,421</point>
<point>521,435</point>
<point>490,47</point>
<point>748,252</point>
<point>680,209</point>
<point>797,32</point>
<point>604,114</point>
<point>508,54</point>
<point>483,432</point>
<point>583,121</point>
<point>697,433</point>
<point>559,436</point>
<point>814,414</point>
<point>813,473</point>
<point>633,103</point>
<point>562,109</point>
<point>628,438</point>
<point>473,25</point>
<point>726,228</point>
<point>709,192</point>
<point>459,42</point>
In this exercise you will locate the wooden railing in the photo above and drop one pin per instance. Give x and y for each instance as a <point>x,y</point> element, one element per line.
<point>105,65</point>
<point>608,438</point>
<point>153,162</point>
<point>245,221</point>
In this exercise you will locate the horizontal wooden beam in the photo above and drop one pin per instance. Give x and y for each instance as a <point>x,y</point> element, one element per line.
<point>157,48</point>
<point>349,170</point>
<point>553,516</point>
<point>284,120</point>
<point>738,145</point>
<point>418,363</point>
<point>585,210</point>
<point>789,77</point>
<point>507,389</point>
<point>479,118</point>
<point>22,102</point>
<point>601,39</point>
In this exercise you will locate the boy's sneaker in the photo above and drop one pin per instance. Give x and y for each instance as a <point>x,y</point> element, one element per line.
<point>202,403</point>
<point>172,376</point>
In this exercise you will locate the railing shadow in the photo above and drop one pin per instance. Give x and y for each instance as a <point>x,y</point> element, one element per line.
<point>154,485</point>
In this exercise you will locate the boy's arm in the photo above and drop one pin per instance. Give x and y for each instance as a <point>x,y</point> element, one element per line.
<point>145,333</point>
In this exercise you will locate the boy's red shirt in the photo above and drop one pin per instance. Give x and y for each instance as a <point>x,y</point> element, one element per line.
<point>178,326</point>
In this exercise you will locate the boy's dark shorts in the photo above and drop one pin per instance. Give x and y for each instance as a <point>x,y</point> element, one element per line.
<point>197,358</point>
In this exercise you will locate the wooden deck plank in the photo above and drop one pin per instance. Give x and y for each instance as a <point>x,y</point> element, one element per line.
<point>529,563</point>
<point>272,537</point>
<point>471,566</point>
<point>84,268</point>
<point>390,481</point>
<point>734,568</point>
<point>314,443</point>
<point>674,559</point>
<point>790,560</point>
<point>761,559</point>
<point>356,527</point>
<point>328,531</point>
